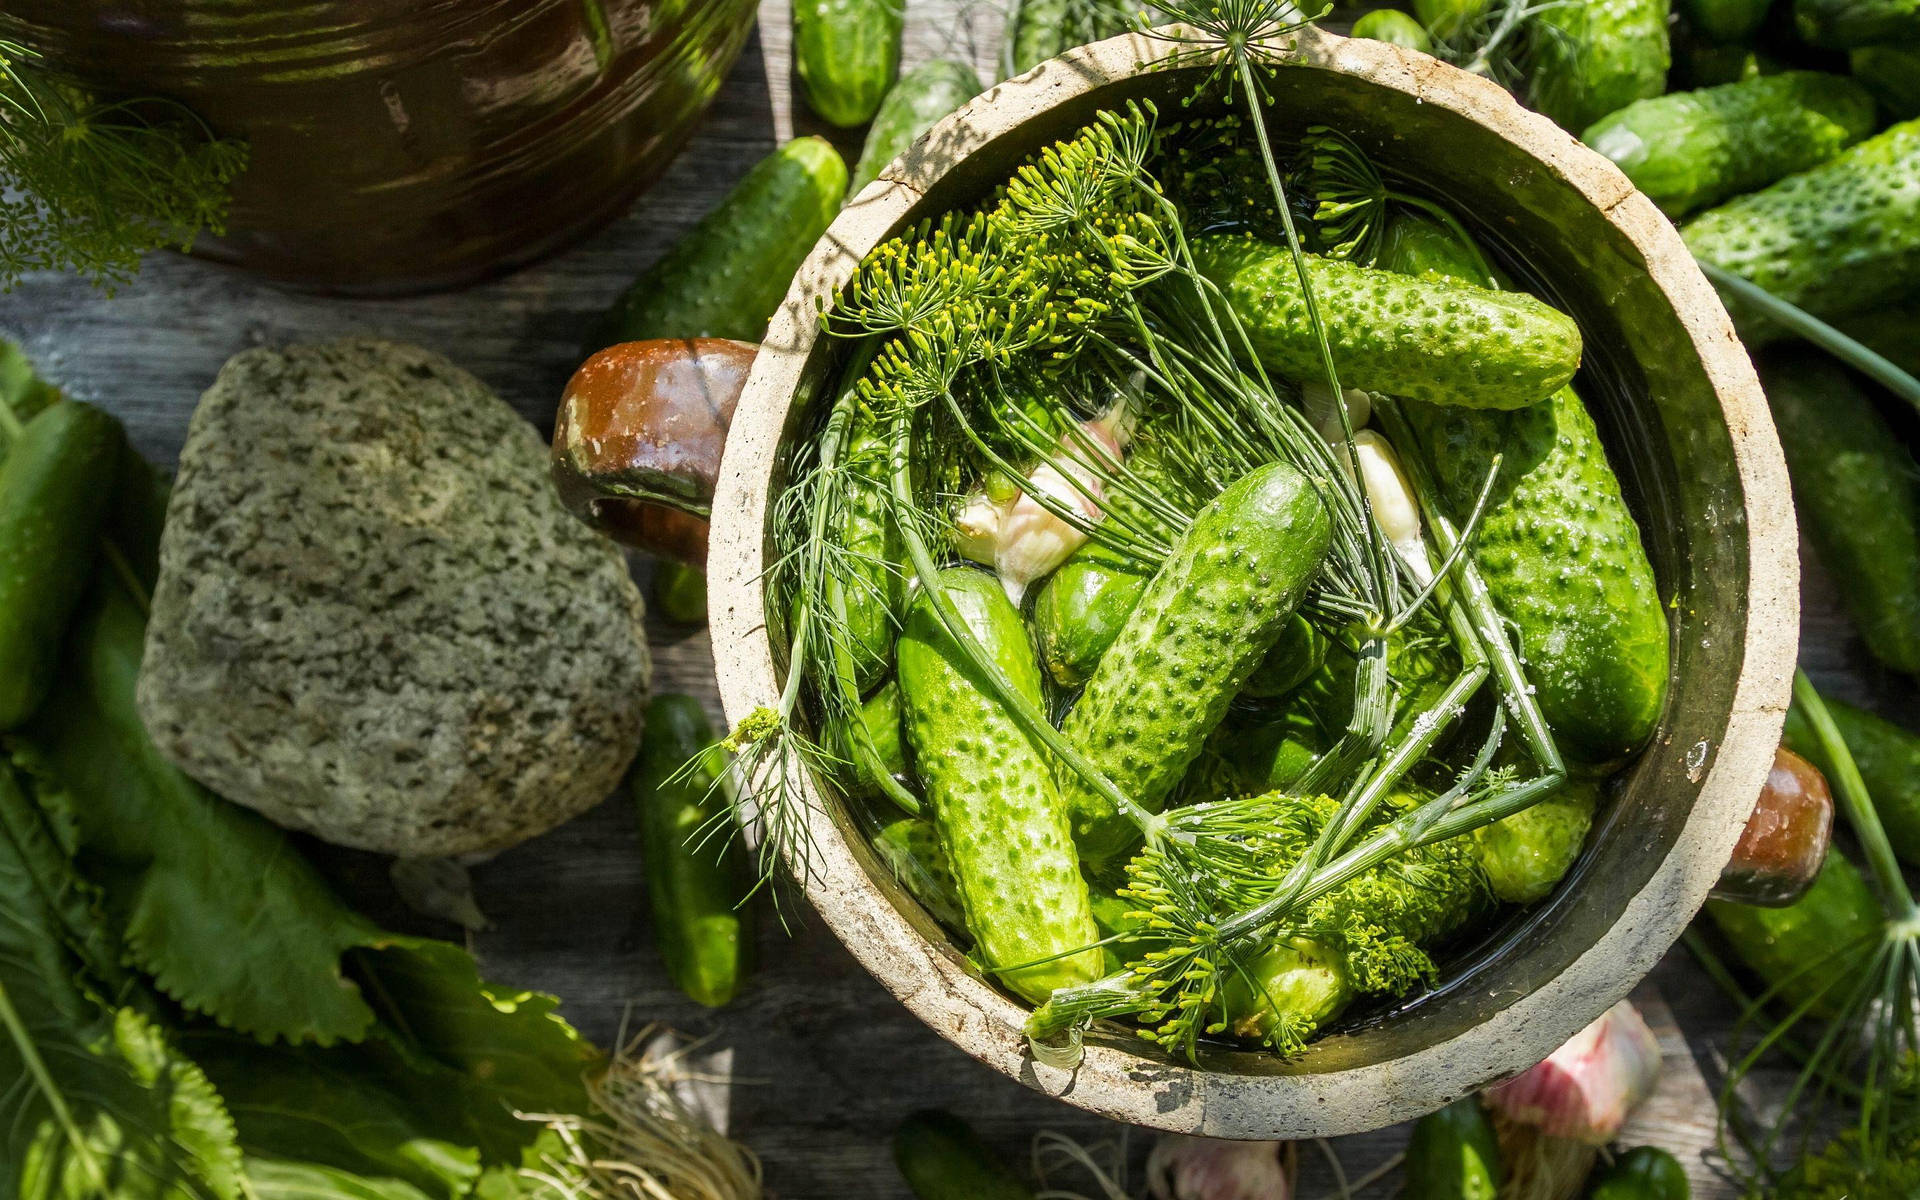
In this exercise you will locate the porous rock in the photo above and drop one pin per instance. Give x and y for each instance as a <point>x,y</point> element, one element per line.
<point>374,620</point>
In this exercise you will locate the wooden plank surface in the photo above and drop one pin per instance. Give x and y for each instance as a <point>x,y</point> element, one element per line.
<point>825,1062</point>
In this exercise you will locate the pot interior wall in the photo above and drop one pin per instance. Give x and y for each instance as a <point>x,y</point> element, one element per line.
<point>1662,424</point>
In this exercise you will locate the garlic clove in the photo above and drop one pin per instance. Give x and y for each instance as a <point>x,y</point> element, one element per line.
<point>1192,1168</point>
<point>976,528</point>
<point>1391,498</point>
<point>1316,402</point>
<point>1585,1090</point>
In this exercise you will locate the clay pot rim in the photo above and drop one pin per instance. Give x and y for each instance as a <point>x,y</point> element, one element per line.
<point>1128,1084</point>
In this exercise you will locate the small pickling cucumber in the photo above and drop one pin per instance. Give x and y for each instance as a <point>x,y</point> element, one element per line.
<point>1891,74</point>
<point>847,54</point>
<point>1838,239</point>
<point>1081,609</point>
<point>1394,27</point>
<point>1803,948</point>
<point>1448,19</point>
<point>1526,854</point>
<point>911,847</point>
<point>1297,978</point>
<point>880,717</point>
<point>1699,64</point>
<point>1000,817</point>
<point>1038,30</point>
<point>1441,341</point>
<point>1642,1173</point>
<point>1300,650</point>
<point>1889,761</point>
<point>56,482</point>
<point>1206,620</point>
<point>1453,1155</point>
<point>726,276</point>
<point>1858,492</point>
<point>680,592</point>
<point>695,876</point>
<point>941,1158</point>
<point>1724,20</point>
<point>875,582</point>
<point>1688,150</point>
<point>913,105</point>
<point>1595,641</point>
<point>1843,24</point>
<point>1595,56</point>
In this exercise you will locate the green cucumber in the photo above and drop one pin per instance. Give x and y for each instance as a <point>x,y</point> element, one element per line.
<point>876,584</point>
<point>1891,331</point>
<point>1841,238</point>
<point>1526,854</point>
<point>1595,641</point>
<point>1440,341</point>
<point>1725,20</point>
<point>56,483</point>
<point>1688,150</point>
<point>941,1158</point>
<point>1205,622</point>
<point>847,54</point>
<point>1293,658</point>
<point>1298,980</point>
<point>1892,75</point>
<point>994,801</point>
<point>727,275</point>
<point>1453,1155</point>
<point>1038,30</point>
<point>696,878</point>
<point>1081,609</point>
<point>1594,56</point>
<point>1800,950</point>
<point>913,105</point>
<point>910,846</point>
<point>680,592</point>
<point>1704,64</point>
<point>1448,19</point>
<point>1394,27</point>
<point>880,716</point>
<point>1858,492</point>
<point>1642,1173</point>
<point>1843,24</point>
<point>1889,761</point>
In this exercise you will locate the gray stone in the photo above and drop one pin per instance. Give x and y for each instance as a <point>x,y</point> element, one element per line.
<point>374,620</point>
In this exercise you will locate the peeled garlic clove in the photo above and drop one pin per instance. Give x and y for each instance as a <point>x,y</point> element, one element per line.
<point>1391,497</point>
<point>1191,1168</point>
<point>1034,541</point>
<point>1316,401</point>
<point>1585,1090</point>
<point>976,529</point>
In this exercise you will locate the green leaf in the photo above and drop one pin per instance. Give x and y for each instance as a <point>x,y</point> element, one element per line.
<point>214,902</point>
<point>99,1105</point>
<point>273,1179</point>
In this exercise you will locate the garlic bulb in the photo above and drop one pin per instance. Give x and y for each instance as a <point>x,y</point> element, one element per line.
<point>1192,1168</point>
<point>1585,1089</point>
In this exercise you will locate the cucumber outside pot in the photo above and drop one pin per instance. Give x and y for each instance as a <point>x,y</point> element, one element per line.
<point>1889,760</point>
<point>847,54</point>
<point>913,105</point>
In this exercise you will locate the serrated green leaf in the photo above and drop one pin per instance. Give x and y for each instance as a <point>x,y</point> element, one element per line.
<point>272,1179</point>
<point>99,1105</point>
<point>333,1107</point>
<point>213,902</point>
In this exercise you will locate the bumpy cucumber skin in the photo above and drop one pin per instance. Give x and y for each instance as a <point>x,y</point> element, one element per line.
<point>1081,610</point>
<point>1453,1155</point>
<point>1440,341</point>
<point>55,485</point>
<point>913,105</point>
<point>1526,854</point>
<point>1842,24</point>
<point>695,877</point>
<point>847,54</point>
<point>1889,761</point>
<point>880,713</point>
<point>1892,75</point>
<point>1688,150</point>
<point>1042,29</point>
<point>1858,495</point>
<point>1394,27</point>
<point>1841,238</point>
<point>942,1159</point>
<point>876,589</point>
<point>727,275</point>
<point>1725,20</point>
<point>1203,624</point>
<point>999,814</point>
<point>911,847</point>
<point>1558,547</point>
<point>1802,948</point>
<point>1595,56</point>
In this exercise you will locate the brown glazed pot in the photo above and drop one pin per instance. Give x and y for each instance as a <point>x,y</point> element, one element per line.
<point>1685,425</point>
<point>402,145</point>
